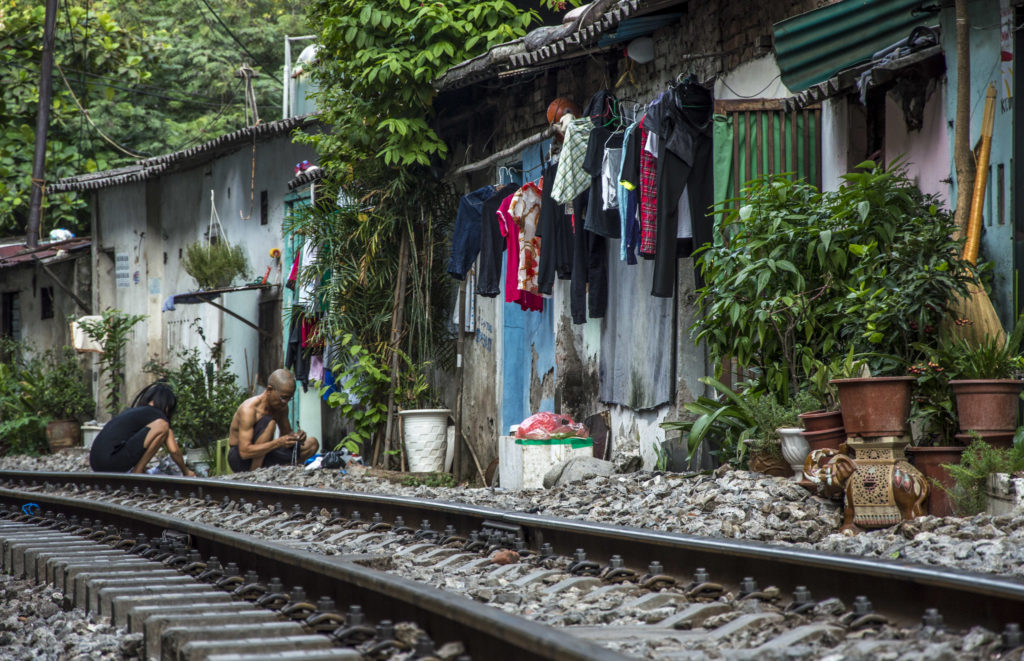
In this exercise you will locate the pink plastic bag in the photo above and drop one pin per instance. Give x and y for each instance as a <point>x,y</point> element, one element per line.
<point>546,425</point>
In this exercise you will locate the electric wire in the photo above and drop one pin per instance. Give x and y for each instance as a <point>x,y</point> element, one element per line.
<point>231,34</point>
<point>85,112</point>
<point>756,94</point>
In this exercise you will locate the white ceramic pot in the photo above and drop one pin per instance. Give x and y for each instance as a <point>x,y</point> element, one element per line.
<point>794,449</point>
<point>426,439</point>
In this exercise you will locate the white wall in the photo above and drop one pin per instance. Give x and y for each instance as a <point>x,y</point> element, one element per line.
<point>153,222</point>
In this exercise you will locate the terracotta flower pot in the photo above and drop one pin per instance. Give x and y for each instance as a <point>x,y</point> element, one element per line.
<point>929,461</point>
<point>768,462</point>
<point>61,434</point>
<point>821,420</point>
<point>875,406</point>
<point>825,439</point>
<point>987,406</point>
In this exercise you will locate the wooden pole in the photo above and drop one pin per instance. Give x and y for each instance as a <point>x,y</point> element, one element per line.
<point>396,333</point>
<point>35,207</point>
<point>460,344</point>
<point>963,159</point>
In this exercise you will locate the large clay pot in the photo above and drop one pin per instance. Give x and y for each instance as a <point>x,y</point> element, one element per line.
<point>61,434</point>
<point>875,406</point>
<point>821,420</point>
<point>825,439</point>
<point>929,461</point>
<point>989,407</point>
<point>769,463</point>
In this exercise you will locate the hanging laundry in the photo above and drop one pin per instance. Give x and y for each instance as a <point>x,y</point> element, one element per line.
<point>588,291</point>
<point>555,230</point>
<point>296,359</point>
<point>648,196</point>
<point>611,163</point>
<point>598,219</point>
<point>626,191</point>
<point>571,179</point>
<point>525,211</point>
<point>466,235</point>
<point>492,244</point>
<point>510,230</point>
<point>682,121</point>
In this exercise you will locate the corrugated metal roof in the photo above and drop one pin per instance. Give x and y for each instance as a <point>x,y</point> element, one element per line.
<point>16,254</point>
<point>540,45</point>
<point>813,47</point>
<point>631,28</point>
<point>152,167</point>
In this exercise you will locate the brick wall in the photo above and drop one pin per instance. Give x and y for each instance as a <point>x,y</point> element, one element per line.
<point>735,32</point>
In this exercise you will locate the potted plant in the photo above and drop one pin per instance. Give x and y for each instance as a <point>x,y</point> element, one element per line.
<point>823,426</point>
<point>985,380</point>
<point>215,264</point>
<point>934,423</point>
<point>969,477</point>
<point>424,425</point>
<point>742,428</point>
<point>62,396</point>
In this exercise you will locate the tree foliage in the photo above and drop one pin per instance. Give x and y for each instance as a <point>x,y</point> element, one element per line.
<point>155,77</point>
<point>377,61</point>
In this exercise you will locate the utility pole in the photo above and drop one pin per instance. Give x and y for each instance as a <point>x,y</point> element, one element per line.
<point>42,123</point>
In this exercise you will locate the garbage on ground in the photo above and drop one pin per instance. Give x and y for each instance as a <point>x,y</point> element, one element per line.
<point>61,235</point>
<point>547,425</point>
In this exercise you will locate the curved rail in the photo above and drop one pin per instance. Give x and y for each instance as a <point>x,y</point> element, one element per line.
<point>903,591</point>
<point>486,632</point>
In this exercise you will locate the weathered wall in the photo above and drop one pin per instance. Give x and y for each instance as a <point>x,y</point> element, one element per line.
<point>153,222</point>
<point>28,280</point>
<point>518,111</point>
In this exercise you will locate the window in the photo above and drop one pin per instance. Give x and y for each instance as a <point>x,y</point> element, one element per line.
<point>765,139</point>
<point>46,303</point>
<point>10,316</point>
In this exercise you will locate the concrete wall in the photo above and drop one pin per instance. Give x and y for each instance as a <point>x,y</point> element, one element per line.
<point>153,223</point>
<point>29,280</point>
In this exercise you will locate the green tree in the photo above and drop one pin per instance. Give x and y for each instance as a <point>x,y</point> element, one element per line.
<point>154,77</point>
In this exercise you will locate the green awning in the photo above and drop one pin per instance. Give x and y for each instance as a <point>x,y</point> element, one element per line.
<point>813,47</point>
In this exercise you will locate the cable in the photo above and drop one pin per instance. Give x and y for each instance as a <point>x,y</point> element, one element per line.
<point>85,112</point>
<point>756,94</point>
<point>240,44</point>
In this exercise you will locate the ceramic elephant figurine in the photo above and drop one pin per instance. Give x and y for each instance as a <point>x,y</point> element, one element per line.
<point>877,493</point>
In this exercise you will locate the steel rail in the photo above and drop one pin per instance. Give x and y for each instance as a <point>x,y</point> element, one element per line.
<point>487,633</point>
<point>900,590</point>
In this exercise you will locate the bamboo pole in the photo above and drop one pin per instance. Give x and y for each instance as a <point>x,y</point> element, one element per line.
<point>396,332</point>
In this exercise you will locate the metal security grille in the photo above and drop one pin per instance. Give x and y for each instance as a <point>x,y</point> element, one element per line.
<point>762,138</point>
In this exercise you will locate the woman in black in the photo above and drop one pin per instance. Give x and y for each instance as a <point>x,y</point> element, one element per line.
<point>130,440</point>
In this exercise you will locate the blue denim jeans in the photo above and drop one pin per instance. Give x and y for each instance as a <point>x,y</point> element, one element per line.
<point>466,236</point>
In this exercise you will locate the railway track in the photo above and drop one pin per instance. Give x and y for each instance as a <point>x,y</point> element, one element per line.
<point>653,592</point>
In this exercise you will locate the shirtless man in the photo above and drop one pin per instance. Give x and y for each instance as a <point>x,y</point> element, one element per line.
<point>258,418</point>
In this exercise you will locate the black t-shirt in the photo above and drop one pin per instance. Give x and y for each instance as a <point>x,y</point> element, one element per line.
<point>115,435</point>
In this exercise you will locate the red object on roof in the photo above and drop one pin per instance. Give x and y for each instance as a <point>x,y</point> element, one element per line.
<point>20,254</point>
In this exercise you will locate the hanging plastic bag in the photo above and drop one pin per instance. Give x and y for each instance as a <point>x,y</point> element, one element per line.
<point>547,425</point>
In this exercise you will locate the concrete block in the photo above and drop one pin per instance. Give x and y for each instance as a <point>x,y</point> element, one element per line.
<point>87,591</point>
<point>138,616</point>
<point>155,625</point>
<point>524,466</point>
<point>654,600</point>
<point>66,576</point>
<point>121,605</point>
<point>335,654</point>
<point>105,596</point>
<point>1005,494</point>
<point>694,615</point>
<point>536,576</point>
<point>202,650</point>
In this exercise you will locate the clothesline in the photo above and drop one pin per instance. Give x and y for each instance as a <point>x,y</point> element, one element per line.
<point>504,154</point>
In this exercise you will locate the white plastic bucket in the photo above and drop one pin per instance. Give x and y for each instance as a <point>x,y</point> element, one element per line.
<point>426,439</point>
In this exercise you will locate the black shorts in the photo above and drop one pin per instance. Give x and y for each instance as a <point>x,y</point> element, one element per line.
<point>278,457</point>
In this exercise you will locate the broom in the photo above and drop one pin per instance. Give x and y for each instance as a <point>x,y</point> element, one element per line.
<point>977,307</point>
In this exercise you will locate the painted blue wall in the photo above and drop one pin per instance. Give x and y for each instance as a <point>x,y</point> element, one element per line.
<point>524,333</point>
